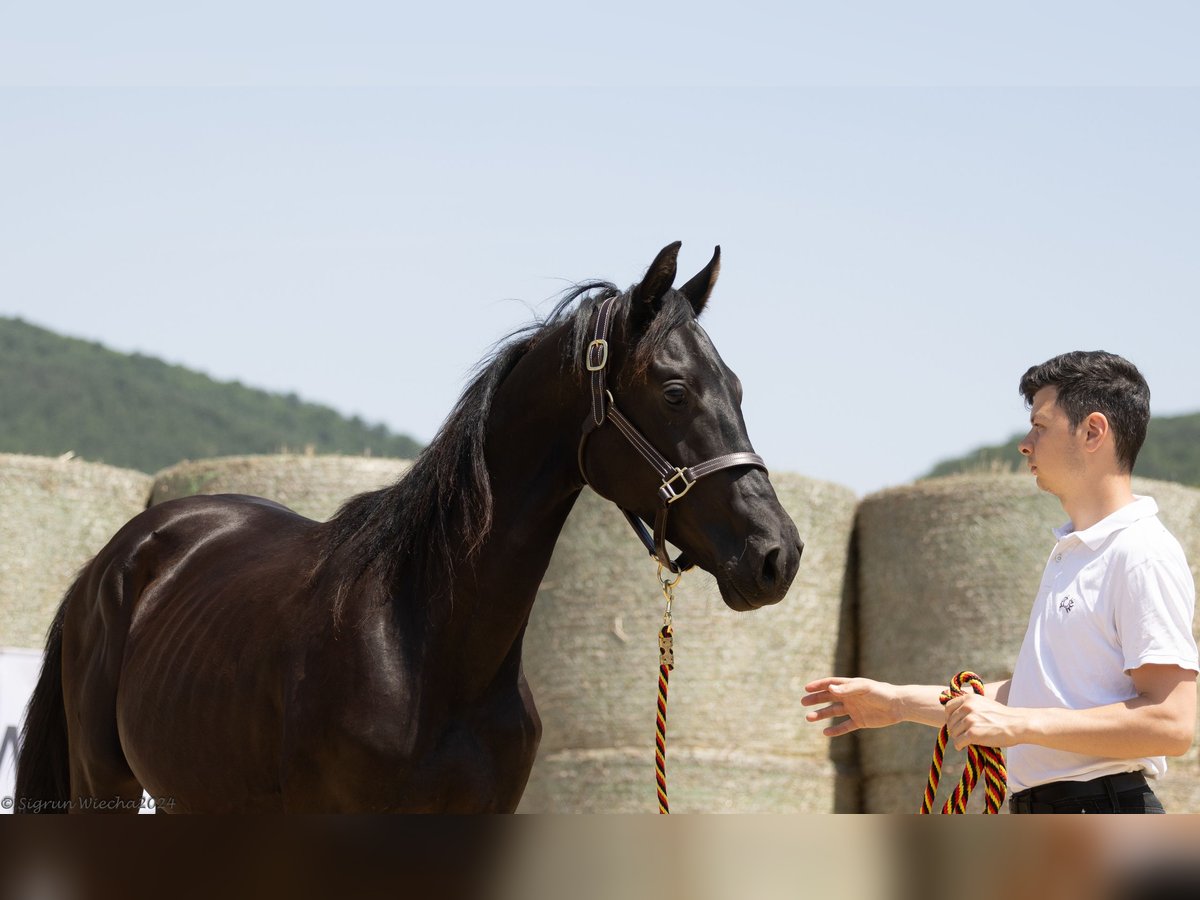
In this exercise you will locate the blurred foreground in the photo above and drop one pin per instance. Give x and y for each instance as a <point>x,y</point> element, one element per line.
<point>597,858</point>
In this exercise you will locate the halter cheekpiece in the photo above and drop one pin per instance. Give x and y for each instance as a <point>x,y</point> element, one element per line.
<point>676,480</point>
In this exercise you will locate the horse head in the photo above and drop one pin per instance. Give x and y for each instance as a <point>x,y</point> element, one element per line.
<point>666,434</point>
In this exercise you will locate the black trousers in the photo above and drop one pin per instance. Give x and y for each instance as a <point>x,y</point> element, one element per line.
<point>1127,792</point>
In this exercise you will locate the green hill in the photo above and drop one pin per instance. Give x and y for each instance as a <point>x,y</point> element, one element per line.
<point>1171,453</point>
<point>60,394</point>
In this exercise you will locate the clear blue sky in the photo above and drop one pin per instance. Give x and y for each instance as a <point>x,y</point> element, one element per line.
<point>347,200</point>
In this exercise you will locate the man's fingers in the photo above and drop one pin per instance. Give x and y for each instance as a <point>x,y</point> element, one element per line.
<point>822,684</point>
<point>841,728</point>
<point>853,686</point>
<point>819,697</point>
<point>827,712</point>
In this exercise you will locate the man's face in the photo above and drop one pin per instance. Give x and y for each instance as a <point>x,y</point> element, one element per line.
<point>1053,451</point>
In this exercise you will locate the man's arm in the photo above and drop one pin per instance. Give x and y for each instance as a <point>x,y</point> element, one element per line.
<point>877,704</point>
<point>1159,721</point>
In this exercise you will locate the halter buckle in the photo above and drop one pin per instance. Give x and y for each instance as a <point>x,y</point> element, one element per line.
<point>587,361</point>
<point>667,489</point>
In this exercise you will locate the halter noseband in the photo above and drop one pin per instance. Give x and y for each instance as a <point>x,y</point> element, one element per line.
<point>676,480</point>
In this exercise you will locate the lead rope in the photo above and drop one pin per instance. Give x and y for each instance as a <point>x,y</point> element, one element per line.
<point>989,759</point>
<point>666,662</point>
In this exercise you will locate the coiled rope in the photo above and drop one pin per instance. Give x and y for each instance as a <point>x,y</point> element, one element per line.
<point>988,759</point>
<point>666,662</point>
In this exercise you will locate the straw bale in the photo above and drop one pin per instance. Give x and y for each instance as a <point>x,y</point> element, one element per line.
<point>710,781</point>
<point>55,515</point>
<point>314,486</point>
<point>736,735</point>
<point>1179,509</point>
<point>948,572</point>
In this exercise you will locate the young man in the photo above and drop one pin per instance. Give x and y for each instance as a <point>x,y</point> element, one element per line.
<point>1104,686</point>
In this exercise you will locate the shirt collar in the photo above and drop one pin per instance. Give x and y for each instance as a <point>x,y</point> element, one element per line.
<point>1094,537</point>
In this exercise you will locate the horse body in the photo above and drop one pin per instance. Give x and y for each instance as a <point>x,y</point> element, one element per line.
<point>231,655</point>
<point>219,708</point>
<point>384,709</point>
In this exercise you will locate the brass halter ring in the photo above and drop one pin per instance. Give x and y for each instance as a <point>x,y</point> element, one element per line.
<point>665,582</point>
<point>668,589</point>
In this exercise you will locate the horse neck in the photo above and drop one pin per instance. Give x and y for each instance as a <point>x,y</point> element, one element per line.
<point>530,447</point>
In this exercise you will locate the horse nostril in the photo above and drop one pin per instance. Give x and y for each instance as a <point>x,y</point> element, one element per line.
<point>770,567</point>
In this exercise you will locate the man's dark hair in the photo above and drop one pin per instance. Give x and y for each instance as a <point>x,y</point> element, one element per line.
<point>1091,381</point>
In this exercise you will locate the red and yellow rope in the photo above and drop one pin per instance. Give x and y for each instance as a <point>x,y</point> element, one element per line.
<point>665,664</point>
<point>987,760</point>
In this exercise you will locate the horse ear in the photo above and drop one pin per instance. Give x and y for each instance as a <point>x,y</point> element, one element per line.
<point>700,287</point>
<point>648,295</point>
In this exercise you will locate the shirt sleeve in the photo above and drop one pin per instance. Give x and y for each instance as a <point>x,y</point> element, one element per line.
<point>1154,618</point>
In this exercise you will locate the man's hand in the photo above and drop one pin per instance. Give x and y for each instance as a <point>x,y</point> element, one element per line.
<point>867,703</point>
<point>974,719</point>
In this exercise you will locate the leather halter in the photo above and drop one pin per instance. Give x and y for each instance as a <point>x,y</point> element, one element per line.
<point>676,480</point>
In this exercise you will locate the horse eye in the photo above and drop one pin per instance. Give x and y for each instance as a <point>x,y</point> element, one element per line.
<point>675,393</point>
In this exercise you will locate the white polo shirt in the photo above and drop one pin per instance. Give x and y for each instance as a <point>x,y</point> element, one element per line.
<point>1114,597</point>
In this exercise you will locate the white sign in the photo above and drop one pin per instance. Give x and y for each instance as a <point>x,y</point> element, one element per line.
<point>19,670</point>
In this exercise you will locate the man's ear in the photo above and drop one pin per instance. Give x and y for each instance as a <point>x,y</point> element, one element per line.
<point>1096,431</point>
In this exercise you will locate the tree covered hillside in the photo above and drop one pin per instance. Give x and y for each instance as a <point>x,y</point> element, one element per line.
<point>61,395</point>
<point>1171,453</point>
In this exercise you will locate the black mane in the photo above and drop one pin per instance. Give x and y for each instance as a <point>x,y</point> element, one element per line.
<point>440,511</point>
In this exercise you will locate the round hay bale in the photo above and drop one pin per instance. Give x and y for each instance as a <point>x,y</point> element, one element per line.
<point>55,515</point>
<point>314,486</point>
<point>949,569</point>
<point>1179,509</point>
<point>736,737</point>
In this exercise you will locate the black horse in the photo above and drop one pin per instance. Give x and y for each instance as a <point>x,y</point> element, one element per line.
<point>228,654</point>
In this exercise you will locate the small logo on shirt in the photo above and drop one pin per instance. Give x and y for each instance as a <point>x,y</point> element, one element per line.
<point>1066,604</point>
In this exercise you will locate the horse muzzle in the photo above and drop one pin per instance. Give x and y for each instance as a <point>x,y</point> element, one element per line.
<point>763,572</point>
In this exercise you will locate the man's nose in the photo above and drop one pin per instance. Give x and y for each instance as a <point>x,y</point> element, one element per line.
<point>1025,447</point>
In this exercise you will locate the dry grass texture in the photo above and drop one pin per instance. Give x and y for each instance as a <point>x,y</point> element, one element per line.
<point>314,486</point>
<point>736,737</point>
<point>55,515</point>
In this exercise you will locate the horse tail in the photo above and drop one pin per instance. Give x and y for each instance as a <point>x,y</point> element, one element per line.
<point>43,765</point>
